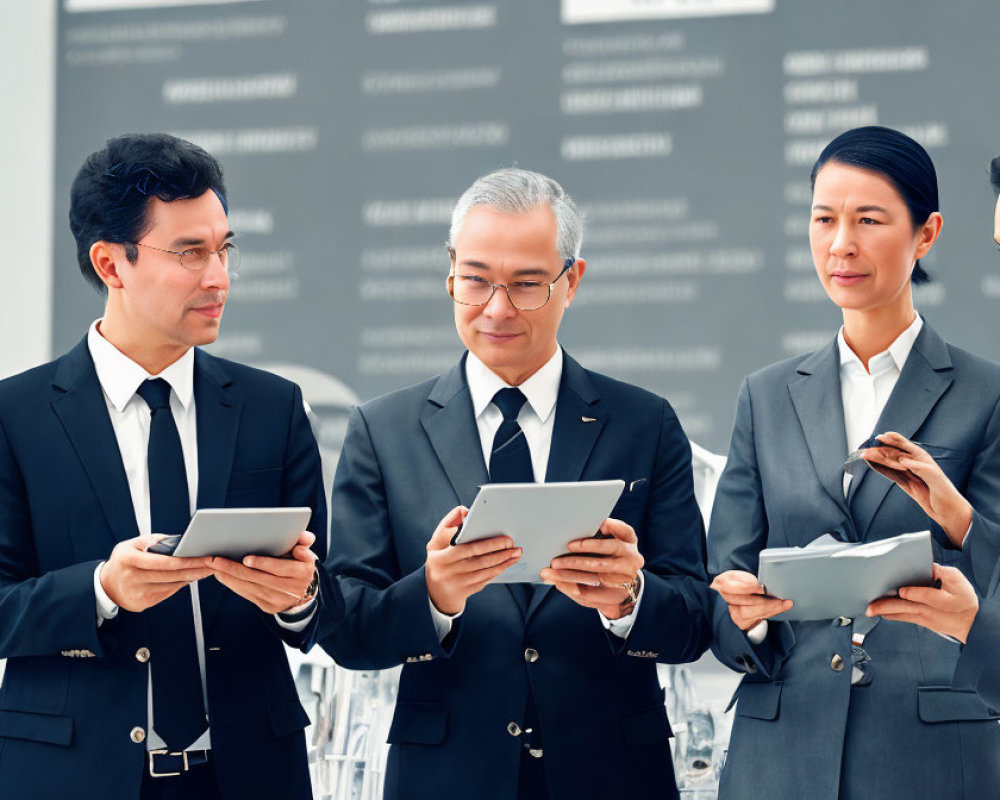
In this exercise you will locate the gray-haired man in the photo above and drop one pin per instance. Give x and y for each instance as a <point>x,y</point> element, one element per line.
<point>512,690</point>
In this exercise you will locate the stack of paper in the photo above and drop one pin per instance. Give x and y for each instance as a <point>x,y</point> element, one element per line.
<point>828,578</point>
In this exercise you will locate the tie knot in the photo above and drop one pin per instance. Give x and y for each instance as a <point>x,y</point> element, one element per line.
<point>509,401</point>
<point>156,393</point>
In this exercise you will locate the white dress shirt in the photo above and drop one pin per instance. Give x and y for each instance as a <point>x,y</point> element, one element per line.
<point>537,419</point>
<point>120,377</point>
<point>864,393</point>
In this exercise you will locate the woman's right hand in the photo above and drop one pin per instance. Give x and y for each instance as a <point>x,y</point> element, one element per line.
<point>748,604</point>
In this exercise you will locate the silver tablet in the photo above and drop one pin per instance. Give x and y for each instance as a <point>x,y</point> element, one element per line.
<point>238,532</point>
<point>541,518</point>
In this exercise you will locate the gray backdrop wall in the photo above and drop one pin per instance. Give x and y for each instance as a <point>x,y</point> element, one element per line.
<point>685,128</point>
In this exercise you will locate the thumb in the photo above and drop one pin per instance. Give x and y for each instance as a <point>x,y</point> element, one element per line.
<point>447,527</point>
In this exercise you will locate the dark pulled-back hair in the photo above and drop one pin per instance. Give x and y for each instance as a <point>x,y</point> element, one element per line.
<point>109,199</point>
<point>900,160</point>
<point>995,175</point>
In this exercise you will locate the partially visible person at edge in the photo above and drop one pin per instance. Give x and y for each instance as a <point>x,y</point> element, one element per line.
<point>952,609</point>
<point>132,674</point>
<point>845,709</point>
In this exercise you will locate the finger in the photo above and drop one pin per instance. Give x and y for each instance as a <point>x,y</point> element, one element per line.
<point>268,601</point>
<point>550,575</point>
<point>304,554</point>
<point>896,440</point>
<point>263,579</point>
<point>140,559</point>
<point>930,597</point>
<point>607,547</point>
<point>620,530</point>
<point>740,599</point>
<point>306,539</point>
<point>481,547</point>
<point>894,605</point>
<point>738,582</point>
<point>602,596</point>
<point>446,528</point>
<point>593,564</point>
<point>281,567</point>
<point>764,609</point>
<point>182,577</point>
<point>487,561</point>
<point>482,577</point>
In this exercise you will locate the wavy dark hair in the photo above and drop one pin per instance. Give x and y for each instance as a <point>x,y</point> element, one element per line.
<point>900,160</point>
<point>995,175</point>
<point>109,199</point>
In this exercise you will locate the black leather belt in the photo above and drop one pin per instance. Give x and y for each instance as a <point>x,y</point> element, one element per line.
<point>167,764</point>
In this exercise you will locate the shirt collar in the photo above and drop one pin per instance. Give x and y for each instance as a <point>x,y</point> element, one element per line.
<point>541,389</point>
<point>896,354</point>
<point>120,376</point>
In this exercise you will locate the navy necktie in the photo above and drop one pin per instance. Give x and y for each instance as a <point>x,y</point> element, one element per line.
<point>510,460</point>
<point>178,703</point>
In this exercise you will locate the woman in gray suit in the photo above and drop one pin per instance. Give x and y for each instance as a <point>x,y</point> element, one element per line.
<point>846,709</point>
<point>953,608</point>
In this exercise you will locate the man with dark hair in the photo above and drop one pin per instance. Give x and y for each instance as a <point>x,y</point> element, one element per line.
<point>131,673</point>
<point>518,692</point>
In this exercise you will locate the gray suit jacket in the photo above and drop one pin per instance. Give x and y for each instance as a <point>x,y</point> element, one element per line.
<point>800,729</point>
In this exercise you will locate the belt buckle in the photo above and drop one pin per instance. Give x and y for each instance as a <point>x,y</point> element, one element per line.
<point>164,752</point>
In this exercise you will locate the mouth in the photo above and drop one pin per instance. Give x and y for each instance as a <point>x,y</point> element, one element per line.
<point>212,311</point>
<point>846,277</point>
<point>498,337</point>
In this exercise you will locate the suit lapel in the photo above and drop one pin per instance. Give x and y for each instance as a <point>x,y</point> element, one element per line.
<point>218,414</point>
<point>816,397</point>
<point>450,426</point>
<point>83,412</point>
<point>926,376</point>
<point>576,429</point>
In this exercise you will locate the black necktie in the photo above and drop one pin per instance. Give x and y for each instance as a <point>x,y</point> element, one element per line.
<point>510,460</point>
<point>178,703</point>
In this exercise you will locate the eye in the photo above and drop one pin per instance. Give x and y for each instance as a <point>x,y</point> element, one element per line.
<point>822,220</point>
<point>869,221</point>
<point>527,285</point>
<point>194,254</point>
<point>473,280</point>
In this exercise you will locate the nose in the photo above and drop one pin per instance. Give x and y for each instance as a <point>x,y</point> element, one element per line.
<point>499,305</point>
<point>843,245</point>
<point>215,275</point>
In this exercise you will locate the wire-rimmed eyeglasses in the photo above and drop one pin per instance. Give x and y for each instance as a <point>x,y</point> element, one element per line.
<point>475,290</point>
<point>196,258</point>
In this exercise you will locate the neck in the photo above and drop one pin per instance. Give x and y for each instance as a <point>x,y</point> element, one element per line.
<point>140,347</point>
<point>870,332</point>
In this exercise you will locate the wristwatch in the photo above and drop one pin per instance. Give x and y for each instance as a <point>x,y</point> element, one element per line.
<point>304,607</point>
<point>633,588</point>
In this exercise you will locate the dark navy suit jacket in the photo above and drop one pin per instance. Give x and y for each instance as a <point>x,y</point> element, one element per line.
<point>73,691</point>
<point>800,729</point>
<point>410,457</point>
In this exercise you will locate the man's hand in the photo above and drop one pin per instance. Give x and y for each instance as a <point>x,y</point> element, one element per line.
<point>455,573</point>
<point>597,571</point>
<point>913,470</point>
<point>272,584</point>
<point>744,595</point>
<point>949,610</point>
<point>135,580</point>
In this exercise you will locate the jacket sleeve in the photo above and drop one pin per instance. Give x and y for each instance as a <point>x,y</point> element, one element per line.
<point>981,548</point>
<point>673,619</point>
<point>737,533</point>
<point>41,613</point>
<point>388,618</point>
<point>302,485</point>
<point>978,666</point>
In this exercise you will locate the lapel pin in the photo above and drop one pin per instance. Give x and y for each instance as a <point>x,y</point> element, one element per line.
<point>588,419</point>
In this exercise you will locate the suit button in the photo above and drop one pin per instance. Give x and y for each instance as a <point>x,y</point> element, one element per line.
<point>531,655</point>
<point>138,735</point>
<point>513,729</point>
<point>142,655</point>
<point>837,662</point>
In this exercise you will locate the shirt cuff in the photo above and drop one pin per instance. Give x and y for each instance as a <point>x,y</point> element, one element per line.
<point>300,623</point>
<point>442,621</point>
<point>106,609</point>
<point>622,626</point>
<point>962,546</point>
<point>758,633</point>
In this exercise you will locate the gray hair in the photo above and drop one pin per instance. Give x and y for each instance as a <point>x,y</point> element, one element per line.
<point>516,191</point>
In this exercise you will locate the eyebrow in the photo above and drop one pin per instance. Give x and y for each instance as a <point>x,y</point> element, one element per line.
<point>187,241</point>
<point>858,210</point>
<point>518,273</point>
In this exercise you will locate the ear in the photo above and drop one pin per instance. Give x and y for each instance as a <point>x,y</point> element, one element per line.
<point>573,277</point>
<point>928,234</point>
<point>102,258</point>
